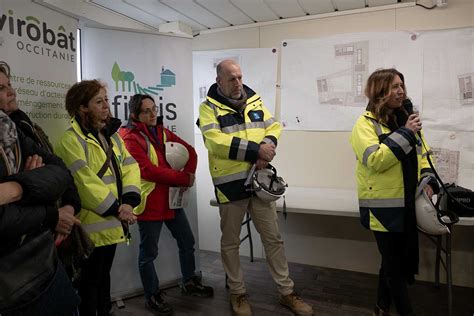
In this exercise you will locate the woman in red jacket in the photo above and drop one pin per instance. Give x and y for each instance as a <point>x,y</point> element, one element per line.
<point>145,132</point>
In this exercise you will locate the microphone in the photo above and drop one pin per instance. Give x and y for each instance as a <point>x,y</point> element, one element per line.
<point>410,108</point>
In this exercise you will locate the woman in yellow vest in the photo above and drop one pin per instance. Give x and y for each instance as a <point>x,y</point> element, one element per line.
<point>391,159</point>
<point>108,180</point>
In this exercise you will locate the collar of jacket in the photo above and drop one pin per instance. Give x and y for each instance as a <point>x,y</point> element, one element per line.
<point>132,124</point>
<point>142,127</point>
<point>111,128</point>
<point>213,94</point>
<point>371,117</point>
<point>219,101</point>
<point>19,116</point>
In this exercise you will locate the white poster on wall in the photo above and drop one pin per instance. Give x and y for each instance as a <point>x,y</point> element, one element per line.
<point>40,46</point>
<point>323,80</point>
<point>448,88</point>
<point>161,66</point>
<point>259,72</point>
<point>453,153</point>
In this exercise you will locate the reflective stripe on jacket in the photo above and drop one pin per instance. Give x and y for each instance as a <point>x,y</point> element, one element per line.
<point>379,171</point>
<point>233,140</point>
<point>146,187</point>
<point>84,157</point>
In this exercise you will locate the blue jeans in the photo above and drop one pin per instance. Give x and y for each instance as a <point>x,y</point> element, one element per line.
<point>149,236</point>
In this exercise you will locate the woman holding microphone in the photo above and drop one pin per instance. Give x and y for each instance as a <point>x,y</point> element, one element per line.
<point>390,163</point>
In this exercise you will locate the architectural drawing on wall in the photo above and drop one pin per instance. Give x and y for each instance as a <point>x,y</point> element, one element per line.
<point>346,87</point>
<point>215,62</point>
<point>447,164</point>
<point>466,88</point>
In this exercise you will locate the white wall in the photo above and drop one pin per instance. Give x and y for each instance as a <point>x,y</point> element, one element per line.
<point>325,159</point>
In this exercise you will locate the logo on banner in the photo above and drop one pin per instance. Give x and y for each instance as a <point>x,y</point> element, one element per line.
<point>126,85</point>
<point>127,80</point>
<point>38,38</point>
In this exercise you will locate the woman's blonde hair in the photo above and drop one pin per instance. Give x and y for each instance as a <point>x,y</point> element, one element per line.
<point>378,90</point>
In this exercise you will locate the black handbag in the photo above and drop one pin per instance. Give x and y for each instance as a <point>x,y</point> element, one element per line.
<point>27,271</point>
<point>459,200</point>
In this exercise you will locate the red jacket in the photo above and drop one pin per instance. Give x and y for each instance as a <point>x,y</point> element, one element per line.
<point>157,205</point>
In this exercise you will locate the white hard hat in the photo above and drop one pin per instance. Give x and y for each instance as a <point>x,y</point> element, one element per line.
<point>177,155</point>
<point>267,185</point>
<point>428,216</point>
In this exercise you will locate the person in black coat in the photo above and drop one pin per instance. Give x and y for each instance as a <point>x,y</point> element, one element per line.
<point>70,203</point>
<point>31,182</point>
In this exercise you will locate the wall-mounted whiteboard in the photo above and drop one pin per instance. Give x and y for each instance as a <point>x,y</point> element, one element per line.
<point>323,79</point>
<point>259,71</point>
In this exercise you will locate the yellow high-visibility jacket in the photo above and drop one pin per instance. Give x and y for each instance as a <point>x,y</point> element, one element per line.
<point>379,171</point>
<point>233,140</point>
<point>84,156</point>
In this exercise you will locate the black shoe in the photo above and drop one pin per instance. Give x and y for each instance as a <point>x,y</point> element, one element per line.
<point>158,306</point>
<point>194,288</point>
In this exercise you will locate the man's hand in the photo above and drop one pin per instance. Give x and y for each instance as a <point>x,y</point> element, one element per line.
<point>66,220</point>
<point>33,162</point>
<point>10,192</point>
<point>266,152</point>
<point>126,214</point>
<point>261,164</point>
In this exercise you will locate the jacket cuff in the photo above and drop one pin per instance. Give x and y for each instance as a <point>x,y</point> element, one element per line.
<point>51,217</point>
<point>113,210</point>
<point>131,198</point>
<point>409,135</point>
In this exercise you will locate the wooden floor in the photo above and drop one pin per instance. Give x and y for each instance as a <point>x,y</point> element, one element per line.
<point>330,291</point>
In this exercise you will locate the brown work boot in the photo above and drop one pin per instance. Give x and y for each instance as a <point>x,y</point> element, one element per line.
<point>294,302</point>
<point>240,305</point>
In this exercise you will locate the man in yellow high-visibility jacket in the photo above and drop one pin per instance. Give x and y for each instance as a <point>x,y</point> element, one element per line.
<point>239,131</point>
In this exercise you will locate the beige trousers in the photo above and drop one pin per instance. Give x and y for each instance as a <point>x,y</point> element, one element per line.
<point>265,219</point>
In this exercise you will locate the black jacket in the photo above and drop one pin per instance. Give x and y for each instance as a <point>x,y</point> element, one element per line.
<point>42,187</point>
<point>33,131</point>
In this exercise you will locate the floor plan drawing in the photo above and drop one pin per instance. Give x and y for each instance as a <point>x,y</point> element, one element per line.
<point>346,87</point>
<point>466,88</point>
<point>447,164</point>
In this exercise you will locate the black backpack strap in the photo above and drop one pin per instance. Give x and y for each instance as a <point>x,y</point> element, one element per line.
<point>105,166</point>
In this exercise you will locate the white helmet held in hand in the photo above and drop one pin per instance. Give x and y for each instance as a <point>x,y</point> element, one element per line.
<point>267,185</point>
<point>428,217</point>
<point>177,155</point>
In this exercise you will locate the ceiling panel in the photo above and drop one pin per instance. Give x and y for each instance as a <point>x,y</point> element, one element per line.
<point>227,11</point>
<point>202,15</point>
<point>196,12</point>
<point>257,10</point>
<point>349,4</point>
<point>130,11</point>
<point>164,12</point>
<point>317,7</point>
<point>375,3</point>
<point>285,8</point>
